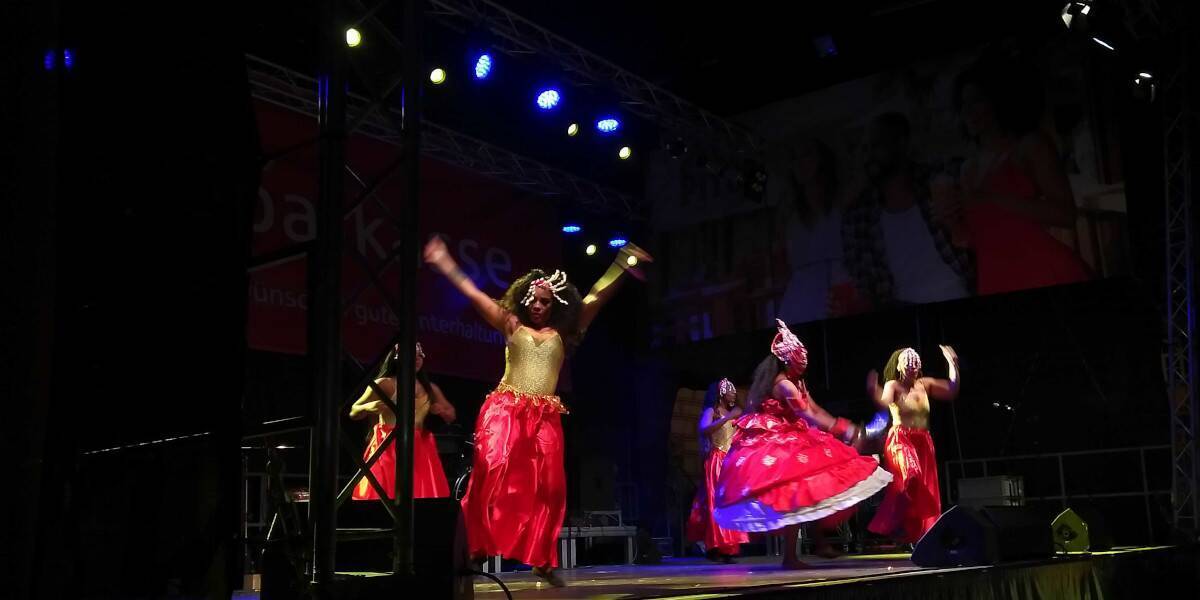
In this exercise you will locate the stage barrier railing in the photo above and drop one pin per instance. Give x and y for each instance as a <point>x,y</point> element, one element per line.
<point>1031,467</point>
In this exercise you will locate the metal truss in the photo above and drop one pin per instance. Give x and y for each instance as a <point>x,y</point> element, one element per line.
<point>516,35</point>
<point>1180,253</point>
<point>290,89</point>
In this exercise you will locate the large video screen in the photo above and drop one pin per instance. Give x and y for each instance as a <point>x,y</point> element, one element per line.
<point>987,171</point>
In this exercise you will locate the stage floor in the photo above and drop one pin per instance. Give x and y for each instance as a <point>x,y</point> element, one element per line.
<point>699,578</point>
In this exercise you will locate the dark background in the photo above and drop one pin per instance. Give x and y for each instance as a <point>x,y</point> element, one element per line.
<point>126,240</point>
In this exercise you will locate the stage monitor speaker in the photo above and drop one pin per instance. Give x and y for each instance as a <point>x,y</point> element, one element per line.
<point>440,554</point>
<point>1073,532</point>
<point>963,537</point>
<point>960,537</point>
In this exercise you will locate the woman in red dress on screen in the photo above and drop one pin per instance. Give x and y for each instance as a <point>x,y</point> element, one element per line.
<point>913,500</point>
<point>517,496</point>
<point>429,479</point>
<point>1013,188</point>
<point>721,409</point>
<point>790,461</point>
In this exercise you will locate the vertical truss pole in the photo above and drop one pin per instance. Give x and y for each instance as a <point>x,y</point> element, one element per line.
<point>1178,128</point>
<point>324,284</point>
<point>410,145</point>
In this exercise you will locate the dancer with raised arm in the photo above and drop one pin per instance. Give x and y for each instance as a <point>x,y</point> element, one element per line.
<point>721,410</point>
<point>429,479</point>
<point>516,498</point>
<point>790,461</point>
<point>913,501</point>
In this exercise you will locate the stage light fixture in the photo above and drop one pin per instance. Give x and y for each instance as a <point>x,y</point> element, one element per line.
<point>548,98</point>
<point>353,37</point>
<point>617,242</point>
<point>1144,87</point>
<point>437,76</point>
<point>631,261</point>
<point>1075,15</point>
<point>1104,43</point>
<point>68,58</point>
<point>571,228</point>
<point>483,66</point>
<point>608,125</point>
<point>573,129</point>
<point>625,152</point>
<point>49,60</point>
<point>590,250</point>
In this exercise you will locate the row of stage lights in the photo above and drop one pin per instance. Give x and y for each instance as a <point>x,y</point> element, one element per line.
<point>616,241</point>
<point>1079,17</point>
<point>546,99</point>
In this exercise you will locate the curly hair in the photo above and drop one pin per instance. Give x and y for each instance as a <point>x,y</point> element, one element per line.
<point>564,318</point>
<point>763,382</point>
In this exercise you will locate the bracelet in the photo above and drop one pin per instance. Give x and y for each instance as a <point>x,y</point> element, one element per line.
<point>839,429</point>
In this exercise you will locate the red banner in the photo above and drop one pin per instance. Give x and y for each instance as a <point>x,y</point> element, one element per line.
<point>495,231</point>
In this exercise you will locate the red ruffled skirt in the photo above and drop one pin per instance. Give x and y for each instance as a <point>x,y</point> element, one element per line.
<point>429,479</point>
<point>517,497</point>
<point>701,527</point>
<point>913,500</point>
<point>782,472</point>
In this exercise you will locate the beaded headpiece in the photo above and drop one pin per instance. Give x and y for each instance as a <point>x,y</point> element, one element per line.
<point>788,348</point>
<point>908,363</point>
<point>725,386</point>
<point>554,284</point>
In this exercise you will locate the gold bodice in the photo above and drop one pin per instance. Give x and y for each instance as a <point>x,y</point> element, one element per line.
<point>532,366</point>
<point>421,409</point>
<point>722,437</point>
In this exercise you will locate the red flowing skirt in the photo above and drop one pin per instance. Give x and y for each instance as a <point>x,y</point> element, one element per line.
<point>782,472</point>
<point>912,502</point>
<point>429,479</point>
<point>701,527</point>
<point>517,496</point>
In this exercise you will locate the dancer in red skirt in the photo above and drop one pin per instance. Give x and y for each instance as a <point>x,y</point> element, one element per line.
<point>790,461</point>
<point>716,432</point>
<point>517,497</point>
<point>913,501</point>
<point>429,479</point>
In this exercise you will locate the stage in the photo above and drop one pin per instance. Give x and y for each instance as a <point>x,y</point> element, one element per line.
<point>1114,574</point>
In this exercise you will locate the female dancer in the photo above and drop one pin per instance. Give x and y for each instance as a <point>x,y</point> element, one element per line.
<point>429,479</point>
<point>716,431</point>
<point>516,499</point>
<point>790,461</point>
<point>913,501</point>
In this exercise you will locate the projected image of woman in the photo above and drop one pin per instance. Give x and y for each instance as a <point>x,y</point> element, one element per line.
<point>1014,187</point>
<point>516,498</point>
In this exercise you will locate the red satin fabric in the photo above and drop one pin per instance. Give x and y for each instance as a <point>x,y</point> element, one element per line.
<point>783,463</point>
<point>517,497</point>
<point>701,527</point>
<point>912,502</point>
<point>429,479</point>
<point>1012,252</point>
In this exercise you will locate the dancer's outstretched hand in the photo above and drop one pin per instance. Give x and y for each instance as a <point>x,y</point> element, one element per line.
<point>435,250</point>
<point>951,356</point>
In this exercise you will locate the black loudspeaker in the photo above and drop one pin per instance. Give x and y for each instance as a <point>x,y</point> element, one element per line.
<point>964,536</point>
<point>440,554</point>
<point>1082,529</point>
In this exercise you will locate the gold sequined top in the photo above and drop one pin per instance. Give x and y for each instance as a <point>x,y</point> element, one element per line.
<point>723,436</point>
<point>530,366</point>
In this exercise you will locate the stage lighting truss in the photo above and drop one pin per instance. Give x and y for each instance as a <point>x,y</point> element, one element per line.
<point>514,35</point>
<point>287,88</point>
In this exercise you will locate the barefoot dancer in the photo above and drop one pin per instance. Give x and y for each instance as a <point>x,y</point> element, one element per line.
<point>716,431</point>
<point>516,498</point>
<point>790,461</point>
<point>913,502</point>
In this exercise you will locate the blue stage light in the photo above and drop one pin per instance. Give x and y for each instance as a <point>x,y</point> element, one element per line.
<point>68,58</point>
<point>483,66</point>
<point>608,125</point>
<point>571,228</point>
<point>617,242</point>
<point>50,59</point>
<point>548,99</point>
